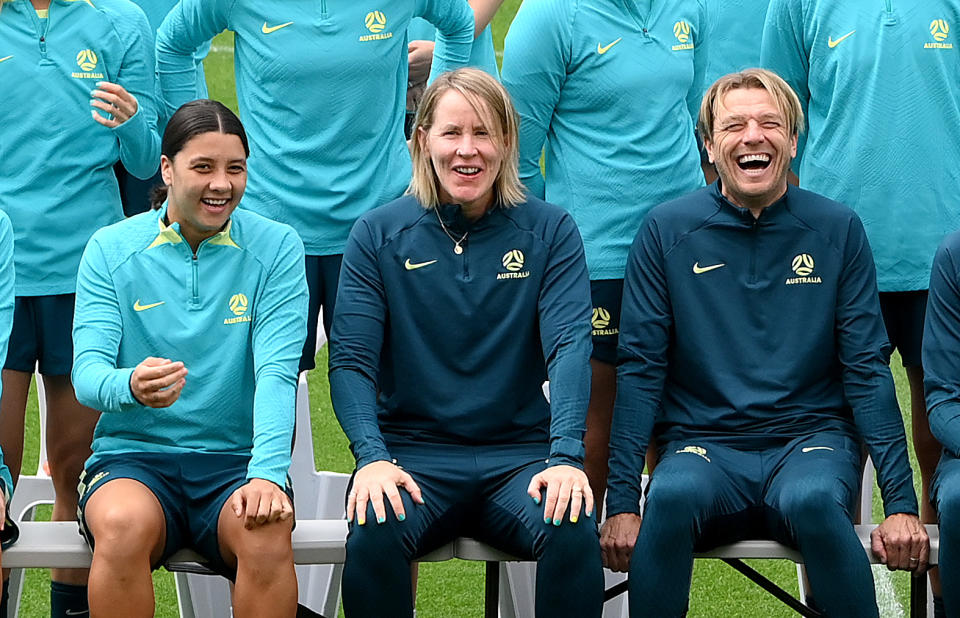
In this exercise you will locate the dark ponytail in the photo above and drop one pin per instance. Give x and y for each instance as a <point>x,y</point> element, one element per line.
<point>192,119</point>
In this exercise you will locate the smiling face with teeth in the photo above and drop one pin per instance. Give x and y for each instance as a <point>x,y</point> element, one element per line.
<point>465,153</point>
<point>205,179</point>
<point>752,147</point>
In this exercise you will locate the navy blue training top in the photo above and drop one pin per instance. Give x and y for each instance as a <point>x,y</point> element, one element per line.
<point>751,332</point>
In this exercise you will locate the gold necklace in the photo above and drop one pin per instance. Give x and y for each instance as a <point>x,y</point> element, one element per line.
<point>456,243</point>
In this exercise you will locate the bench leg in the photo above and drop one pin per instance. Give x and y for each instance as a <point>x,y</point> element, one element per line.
<point>491,592</point>
<point>918,597</point>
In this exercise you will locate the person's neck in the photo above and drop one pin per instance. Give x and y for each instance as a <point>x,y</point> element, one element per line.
<point>41,5</point>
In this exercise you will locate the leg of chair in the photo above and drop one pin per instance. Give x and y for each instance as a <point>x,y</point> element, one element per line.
<point>491,595</point>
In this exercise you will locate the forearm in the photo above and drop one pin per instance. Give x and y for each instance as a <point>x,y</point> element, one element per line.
<point>629,436</point>
<point>274,405</point>
<point>569,375</point>
<point>100,385</point>
<point>140,143</point>
<point>354,402</point>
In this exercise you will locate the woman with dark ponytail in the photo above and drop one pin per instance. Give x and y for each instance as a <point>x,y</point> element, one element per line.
<point>188,329</point>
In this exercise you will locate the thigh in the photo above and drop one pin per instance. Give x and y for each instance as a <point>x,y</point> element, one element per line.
<point>131,493</point>
<point>23,348</point>
<point>945,490</point>
<point>606,296</point>
<point>903,316</point>
<point>330,281</point>
<point>810,475</point>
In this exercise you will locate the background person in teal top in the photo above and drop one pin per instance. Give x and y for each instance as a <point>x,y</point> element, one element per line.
<point>609,92</point>
<point>322,88</point>
<point>62,62</point>
<point>8,529</point>
<point>187,333</point>
<point>880,84</point>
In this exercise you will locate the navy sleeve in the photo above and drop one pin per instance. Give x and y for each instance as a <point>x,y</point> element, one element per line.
<point>356,340</point>
<point>941,349</point>
<point>864,353</point>
<point>565,331</point>
<point>646,326</point>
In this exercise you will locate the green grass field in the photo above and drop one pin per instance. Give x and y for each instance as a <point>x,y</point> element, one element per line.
<point>455,589</point>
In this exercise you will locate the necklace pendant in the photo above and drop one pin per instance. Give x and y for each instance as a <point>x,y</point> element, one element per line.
<point>457,249</point>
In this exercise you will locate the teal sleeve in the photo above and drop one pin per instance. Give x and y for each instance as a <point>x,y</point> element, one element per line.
<point>279,330</point>
<point>784,52</point>
<point>535,58</point>
<point>565,333</point>
<point>188,26</point>
<point>864,356</point>
<point>355,344</point>
<point>701,56</point>
<point>455,29</point>
<point>138,137</point>
<point>97,330</point>
<point>941,350</point>
<point>7,282</point>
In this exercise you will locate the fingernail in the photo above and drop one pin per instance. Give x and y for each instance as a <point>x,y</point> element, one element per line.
<point>401,517</point>
<point>536,499</point>
<point>556,522</point>
<point>380,520</point>
<point>589,513</point>
<point>361,521</point>
<point>574,519</point>
<point>546,520</point>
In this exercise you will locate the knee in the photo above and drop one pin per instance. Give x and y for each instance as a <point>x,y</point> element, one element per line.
<point>570,543</point>
<point>373,541</point>
<point>123,534</point>
<point>815,503</point>
<point>266,548</point>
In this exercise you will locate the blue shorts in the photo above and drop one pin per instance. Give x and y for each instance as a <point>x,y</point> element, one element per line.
<point>135,193</point>
<point>191,488</point>
<point>323,276</point>
<point>903,315</point>
<point>42,333</point>
<point>606,295</point>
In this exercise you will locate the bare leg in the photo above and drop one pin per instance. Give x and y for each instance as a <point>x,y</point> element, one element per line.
<point>69,434</point>
<point>127,523</point>
<point>928,454</point>
<point>603,392</point>
<point>13,405</point>
<point>266,581</point>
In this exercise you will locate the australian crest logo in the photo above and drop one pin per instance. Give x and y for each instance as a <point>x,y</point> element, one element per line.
<point>681,30</point>
<point>376,23</point>
<point>600,322</point>
<point>512,261</point>
<point>87,61</point>
<point>803,266</point>
<point>238,307</point>
<point>940,31</point>
<point>695,450</point>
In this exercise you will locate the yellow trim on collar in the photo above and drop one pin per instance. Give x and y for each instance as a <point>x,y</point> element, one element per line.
<point>223,237</point>
<point>43,13</point>
<point>167,235</point>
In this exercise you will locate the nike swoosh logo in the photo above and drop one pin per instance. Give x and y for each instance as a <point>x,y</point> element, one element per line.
<point>807,449</point>
<point>77,612</point>
<point>5,59</point>
<point>411,266</point>
<point>833,43</point>
<point>699,270</point>
<point>268,29</point>
<point>602,49</point>
<point>138,307</point>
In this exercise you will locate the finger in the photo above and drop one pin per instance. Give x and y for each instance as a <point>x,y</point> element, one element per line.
<point>116,113</point>
<point>104,121</point>
<point>563,499</point>
<point>363,497</point>
<point>276,507</point>
<point>876,545</point>
<point>286,508</point>
<point>236,503</point>
<point>550,502</point>
<point>253,509</point>
<point>576,502</point>
<point>376,498</point>
<point>163,381</point>
<point>351,503</point>
<point>923,555</point>
<point>158,370</point>
<point>533,489</point>
<point>265,500</point>
<point>395,502</point>
<point>412,488</point>
<point>588,498</point>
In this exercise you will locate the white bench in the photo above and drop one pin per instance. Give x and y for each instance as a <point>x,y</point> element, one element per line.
<point>323,541</point>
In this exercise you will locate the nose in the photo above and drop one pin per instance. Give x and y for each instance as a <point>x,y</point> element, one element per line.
<point>220,181</point>
<point>753,133</point>
<point>466,147</point>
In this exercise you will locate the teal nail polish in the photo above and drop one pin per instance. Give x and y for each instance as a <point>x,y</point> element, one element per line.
<point>547,519</point>
<point>401,517</point>
<point>556,522</point>
<point>536,500</point>
<point>589,513</point>
<point>380,520</point>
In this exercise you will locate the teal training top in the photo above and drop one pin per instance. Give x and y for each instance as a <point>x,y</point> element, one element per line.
<point>6,322</point>
<point>234,313</point>
<point>735,38</point>
<point>880,83</point>
<point>155,11</point>
<point>56,179</point>
<point>482,56</point>
<point>322,89</point>
<point>612,91</point>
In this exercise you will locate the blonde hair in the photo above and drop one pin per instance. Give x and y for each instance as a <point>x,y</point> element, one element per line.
<point>491,102</point>
<point>783,97</point>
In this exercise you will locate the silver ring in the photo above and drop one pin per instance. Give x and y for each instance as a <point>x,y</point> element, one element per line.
<point>914,559</point>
